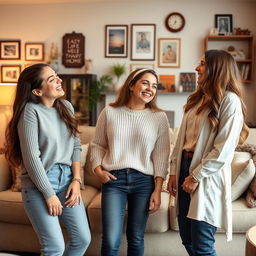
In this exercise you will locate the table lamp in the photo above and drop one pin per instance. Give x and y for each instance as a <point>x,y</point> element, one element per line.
<point>7,95</point>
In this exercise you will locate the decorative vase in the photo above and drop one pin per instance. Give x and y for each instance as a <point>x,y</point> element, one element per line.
<point>55,65</point>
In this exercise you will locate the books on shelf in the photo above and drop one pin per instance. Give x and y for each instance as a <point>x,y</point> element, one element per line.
<point>245,71</point>
<point>188,81</point>
<point>167,83</point>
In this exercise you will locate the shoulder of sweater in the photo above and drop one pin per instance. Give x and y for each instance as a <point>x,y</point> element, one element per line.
<point>231,98</point>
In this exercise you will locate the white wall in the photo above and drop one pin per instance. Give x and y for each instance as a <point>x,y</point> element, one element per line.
<point>49,22</point>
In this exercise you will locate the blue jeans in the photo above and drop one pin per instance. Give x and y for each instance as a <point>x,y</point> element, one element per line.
<point>134,188</point>
<point>197,236</point>
<point>48,227</point>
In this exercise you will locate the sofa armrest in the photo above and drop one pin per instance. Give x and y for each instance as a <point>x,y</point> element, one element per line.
<point>5,174</point>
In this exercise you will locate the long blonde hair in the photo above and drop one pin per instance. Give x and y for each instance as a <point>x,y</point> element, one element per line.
<point>221,74</point>
<point>125,93</point>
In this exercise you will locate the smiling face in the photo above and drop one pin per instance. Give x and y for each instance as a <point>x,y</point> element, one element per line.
<point>51,87</point>
<point>201,71</point>
<point>143,91</point>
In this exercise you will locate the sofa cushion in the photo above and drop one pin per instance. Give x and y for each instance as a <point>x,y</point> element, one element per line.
<point>157,222</point>
<point>242,174</point>
<point>11,205</point>
<point>89,177</point>
<point>84,152</point>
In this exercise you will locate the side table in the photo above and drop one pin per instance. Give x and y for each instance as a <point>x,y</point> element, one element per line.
<point>250,249</point>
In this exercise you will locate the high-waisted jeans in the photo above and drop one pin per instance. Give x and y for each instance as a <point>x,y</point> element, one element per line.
<point>134,188</point>
<point>48,227</point>
<point>197,236</point>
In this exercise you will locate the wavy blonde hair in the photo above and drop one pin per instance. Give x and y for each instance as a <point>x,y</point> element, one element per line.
<point>221,75</point>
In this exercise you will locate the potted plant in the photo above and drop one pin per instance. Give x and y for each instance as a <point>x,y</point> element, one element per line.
<point>97,89</point>
<point>118,70</point>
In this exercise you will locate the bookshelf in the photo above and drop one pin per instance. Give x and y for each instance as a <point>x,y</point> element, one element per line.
<point>242,43</point>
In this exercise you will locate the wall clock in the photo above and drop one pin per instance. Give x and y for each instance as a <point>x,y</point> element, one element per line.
<point>175,22</point>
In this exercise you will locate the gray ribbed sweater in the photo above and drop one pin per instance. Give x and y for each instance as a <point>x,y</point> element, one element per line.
<point>136,139</point>
<point>45,140</point>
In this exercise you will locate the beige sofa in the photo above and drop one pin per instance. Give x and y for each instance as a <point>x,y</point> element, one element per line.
<point>161,238</point>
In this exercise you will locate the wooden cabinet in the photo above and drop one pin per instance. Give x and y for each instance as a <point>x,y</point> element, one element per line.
<point>77,88</point>
<point>243,53</point>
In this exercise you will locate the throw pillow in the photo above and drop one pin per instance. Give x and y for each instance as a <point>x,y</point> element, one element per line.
<point>242,175</point>
<point>84,153</point>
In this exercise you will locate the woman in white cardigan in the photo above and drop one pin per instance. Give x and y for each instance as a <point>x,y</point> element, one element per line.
<point>212,126</point>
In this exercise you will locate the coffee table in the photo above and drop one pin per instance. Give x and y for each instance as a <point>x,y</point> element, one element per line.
<point>250,249</point>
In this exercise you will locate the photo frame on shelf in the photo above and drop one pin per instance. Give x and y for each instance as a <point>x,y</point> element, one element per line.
<point>187,81</point>
<point>167,83</point>
<point>224,24</point>
<point>143,37</point>
<point>10,73</point>
<point>134,66</point>
<point>116,41</point>
<point>169,52</point>
<point>34,51</point>
<point>10,50</point>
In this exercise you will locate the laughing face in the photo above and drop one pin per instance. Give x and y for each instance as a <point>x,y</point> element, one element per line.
<point>51,87</point>
<point>201,71</point>
<point>144,90</point>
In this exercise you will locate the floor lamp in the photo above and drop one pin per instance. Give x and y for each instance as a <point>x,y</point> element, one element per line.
<point>7,94</point>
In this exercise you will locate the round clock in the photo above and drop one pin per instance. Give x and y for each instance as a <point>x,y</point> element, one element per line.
<point>175,22</point>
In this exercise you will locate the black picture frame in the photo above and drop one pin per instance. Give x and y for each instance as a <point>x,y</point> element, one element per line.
<point>224,24</point>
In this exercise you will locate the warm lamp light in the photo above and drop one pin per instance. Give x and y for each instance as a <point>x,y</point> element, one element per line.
<point>7,95</point>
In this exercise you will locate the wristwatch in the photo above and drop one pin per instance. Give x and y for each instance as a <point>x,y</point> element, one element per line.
<point>78,180</point>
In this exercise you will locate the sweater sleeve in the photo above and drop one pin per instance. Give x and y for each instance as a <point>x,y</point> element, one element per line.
<point>161,152</point>
<point>28,135</point>
<point>230,125</point>
<point>99,143</point>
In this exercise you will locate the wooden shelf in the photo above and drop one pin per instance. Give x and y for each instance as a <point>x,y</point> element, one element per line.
<point>244,42</point>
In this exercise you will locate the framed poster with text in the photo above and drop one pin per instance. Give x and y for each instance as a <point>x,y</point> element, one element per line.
<point>73,48</point>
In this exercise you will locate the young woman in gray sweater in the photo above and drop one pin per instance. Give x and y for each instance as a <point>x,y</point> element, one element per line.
<point>42,138</point>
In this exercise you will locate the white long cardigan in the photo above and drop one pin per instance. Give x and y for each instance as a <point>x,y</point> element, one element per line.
<point>211,164</point>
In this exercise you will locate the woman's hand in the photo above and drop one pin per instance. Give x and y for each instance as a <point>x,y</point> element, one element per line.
<point>54,205</point>
<point>155,201</point>
<point>73,194</point>
<point>172,186</point>
<point>189,185</point>
<point>103,175</point>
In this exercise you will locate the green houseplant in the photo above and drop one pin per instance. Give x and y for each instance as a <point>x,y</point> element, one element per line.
<point>97,89</point>
<point>118,70</point>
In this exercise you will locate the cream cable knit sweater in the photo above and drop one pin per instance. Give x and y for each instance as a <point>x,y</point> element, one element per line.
<point>137,139</point>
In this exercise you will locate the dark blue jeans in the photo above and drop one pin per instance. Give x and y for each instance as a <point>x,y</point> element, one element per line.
<point>197,236</point>
<point>134,188</point>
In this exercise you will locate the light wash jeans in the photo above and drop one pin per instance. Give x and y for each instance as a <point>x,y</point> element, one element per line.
<point>134,188</point>
<point>48,227</point>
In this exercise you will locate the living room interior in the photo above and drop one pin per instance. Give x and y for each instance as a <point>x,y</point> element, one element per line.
<point>45,23</point>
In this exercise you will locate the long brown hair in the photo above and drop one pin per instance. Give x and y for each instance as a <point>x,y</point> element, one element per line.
<point>30,79</point>
<point>125,93</point>
<point>221,74</point>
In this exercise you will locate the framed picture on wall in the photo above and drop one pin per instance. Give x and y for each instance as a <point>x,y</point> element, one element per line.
<point>10,73</point>
<point>143,37</point>
<point>169,52</point>
<point>10,50</point>
<point>34,51</point>
<point>135,66</point>
<point>116,41</point>
<point>224,24</point>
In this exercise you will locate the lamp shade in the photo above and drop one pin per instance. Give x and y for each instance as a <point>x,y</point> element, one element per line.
<point>7,94</point>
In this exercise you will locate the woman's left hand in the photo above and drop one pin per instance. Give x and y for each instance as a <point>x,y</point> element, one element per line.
<point>155,201</point>
<point>73,194</point>
<point>189,185</point>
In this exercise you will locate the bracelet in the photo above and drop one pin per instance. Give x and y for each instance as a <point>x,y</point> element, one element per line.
<point>78,180</point>
<point>194,179</point>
